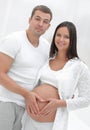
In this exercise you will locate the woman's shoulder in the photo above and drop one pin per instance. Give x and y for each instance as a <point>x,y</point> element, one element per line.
<point>80,64</point>
<point>77,61</point>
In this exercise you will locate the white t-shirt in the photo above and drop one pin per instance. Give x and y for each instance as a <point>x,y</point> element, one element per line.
<point>27,62</point>
<point>47,75</point>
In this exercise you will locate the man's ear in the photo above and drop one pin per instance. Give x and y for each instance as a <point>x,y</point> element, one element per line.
<point>49,26</point>
<point>29,20</point>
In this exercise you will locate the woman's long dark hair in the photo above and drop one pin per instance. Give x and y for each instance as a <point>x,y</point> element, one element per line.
<point>72,50</point>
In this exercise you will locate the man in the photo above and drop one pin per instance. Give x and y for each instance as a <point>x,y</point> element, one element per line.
<point>21,56</point>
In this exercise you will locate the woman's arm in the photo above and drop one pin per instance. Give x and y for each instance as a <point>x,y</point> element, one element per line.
<point>83,99</point>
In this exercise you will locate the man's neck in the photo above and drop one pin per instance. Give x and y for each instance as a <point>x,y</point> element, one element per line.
<point>32,39</point>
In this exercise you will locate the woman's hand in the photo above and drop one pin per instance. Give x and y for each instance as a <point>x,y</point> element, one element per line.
<point>51,107</point>
<point>31,103</point>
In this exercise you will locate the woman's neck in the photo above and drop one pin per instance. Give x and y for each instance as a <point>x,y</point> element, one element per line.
<point>61,57</point>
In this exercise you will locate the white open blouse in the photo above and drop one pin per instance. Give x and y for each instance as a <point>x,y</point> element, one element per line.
<point>74,77</point>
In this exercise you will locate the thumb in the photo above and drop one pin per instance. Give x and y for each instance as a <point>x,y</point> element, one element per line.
<point>49,99</point>
<point>40,98</point>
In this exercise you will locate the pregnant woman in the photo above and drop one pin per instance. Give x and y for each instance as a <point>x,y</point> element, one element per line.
<point>60,78</point>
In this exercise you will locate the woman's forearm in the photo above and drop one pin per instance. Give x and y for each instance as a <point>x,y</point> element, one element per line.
<point>61,103</point>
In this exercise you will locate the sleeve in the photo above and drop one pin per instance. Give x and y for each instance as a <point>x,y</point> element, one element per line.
<point>9,46</point>
<point>83,86</point>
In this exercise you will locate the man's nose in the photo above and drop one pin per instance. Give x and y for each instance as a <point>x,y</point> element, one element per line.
<point>41,22</point>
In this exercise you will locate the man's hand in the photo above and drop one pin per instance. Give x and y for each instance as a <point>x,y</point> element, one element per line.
<point>31,103</point>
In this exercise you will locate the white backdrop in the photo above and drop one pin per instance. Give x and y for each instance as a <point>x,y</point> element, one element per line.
<point>14,16</point>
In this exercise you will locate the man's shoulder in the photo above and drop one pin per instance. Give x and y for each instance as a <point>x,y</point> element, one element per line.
<point>12,39</point>
<point>14,34</point>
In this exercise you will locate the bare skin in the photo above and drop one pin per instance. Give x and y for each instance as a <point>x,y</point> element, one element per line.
<point>45,91</point>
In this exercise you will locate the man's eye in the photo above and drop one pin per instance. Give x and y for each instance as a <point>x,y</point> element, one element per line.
<point>46,22</point>
<point>38,19</point>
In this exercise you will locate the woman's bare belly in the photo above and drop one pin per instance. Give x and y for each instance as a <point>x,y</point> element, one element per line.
<point>45,91</point>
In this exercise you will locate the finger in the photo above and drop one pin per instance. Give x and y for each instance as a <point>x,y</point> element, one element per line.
<point>28,110</point>
<point>40,99</point>
<point>45,114</point>
<point>44,111</point>
<point>32,109</point>
<point>35,107</point>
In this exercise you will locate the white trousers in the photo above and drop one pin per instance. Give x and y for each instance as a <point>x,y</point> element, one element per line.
<point>29,124</point>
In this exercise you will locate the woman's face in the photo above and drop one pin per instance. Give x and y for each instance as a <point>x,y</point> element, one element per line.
<point>62,39</point>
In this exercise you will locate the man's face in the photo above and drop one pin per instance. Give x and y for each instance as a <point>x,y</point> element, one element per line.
<point>40,22</point>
